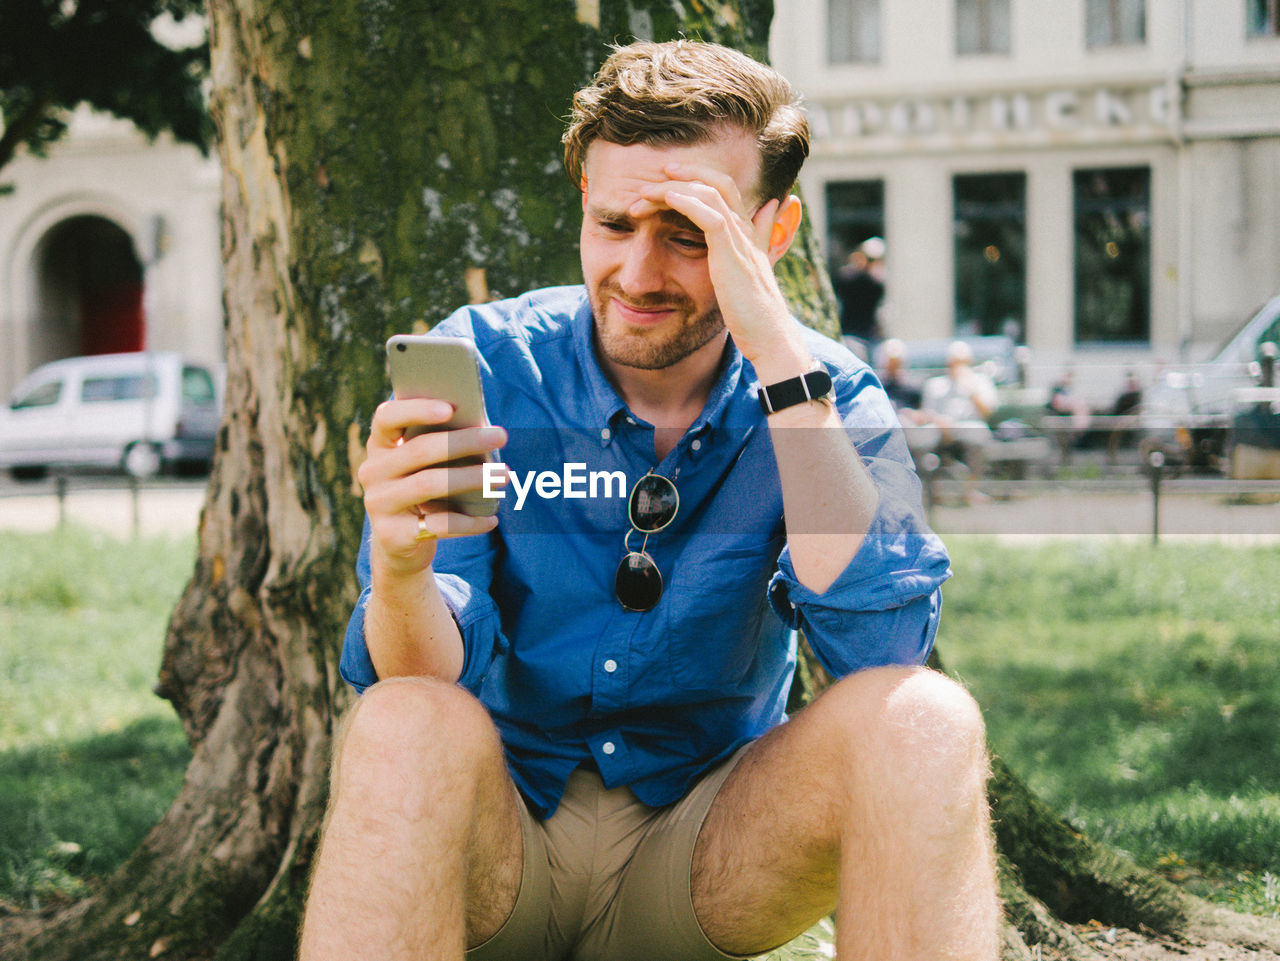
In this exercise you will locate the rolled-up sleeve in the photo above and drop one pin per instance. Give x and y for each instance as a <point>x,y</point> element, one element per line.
<point>885,606</point>
<point>472,608</point>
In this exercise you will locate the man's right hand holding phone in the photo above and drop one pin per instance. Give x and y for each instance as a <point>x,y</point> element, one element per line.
<point>408,482</point>
<point>407,485</point>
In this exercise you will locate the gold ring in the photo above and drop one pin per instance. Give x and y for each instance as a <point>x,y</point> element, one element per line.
<point>423,534</point>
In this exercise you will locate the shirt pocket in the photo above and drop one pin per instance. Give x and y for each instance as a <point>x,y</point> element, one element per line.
<point>718,601</point>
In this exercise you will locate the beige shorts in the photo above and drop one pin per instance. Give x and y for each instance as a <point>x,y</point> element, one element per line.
<point>607,878</point>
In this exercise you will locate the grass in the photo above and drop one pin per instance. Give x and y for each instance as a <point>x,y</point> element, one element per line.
<point>89,757</point>
<point>1136,688</point>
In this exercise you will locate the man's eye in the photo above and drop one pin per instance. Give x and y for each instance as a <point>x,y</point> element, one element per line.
<point>613,227</point>
<point>690,243</point>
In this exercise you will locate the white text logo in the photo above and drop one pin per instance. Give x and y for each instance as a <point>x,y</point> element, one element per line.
<point>574,481</point>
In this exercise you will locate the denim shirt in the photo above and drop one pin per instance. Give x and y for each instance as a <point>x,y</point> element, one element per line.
<point>654,699</point>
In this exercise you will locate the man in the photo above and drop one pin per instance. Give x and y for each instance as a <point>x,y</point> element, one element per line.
<point>569,745</point>
<point>960,403</point>
<point>893,361</point>
<point>859,285</point>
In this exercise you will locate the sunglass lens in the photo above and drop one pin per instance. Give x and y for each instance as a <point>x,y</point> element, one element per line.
<point>638,583</point>
<point>653,503</point>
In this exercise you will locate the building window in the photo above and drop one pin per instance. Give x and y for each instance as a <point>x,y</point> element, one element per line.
<point>990,221</point>
<point>1264,18</point>
<point>982,26</point>
<point>1113,255</point>
<point>855,213</point>
<point>853,31</point>
<point>1111,23</point>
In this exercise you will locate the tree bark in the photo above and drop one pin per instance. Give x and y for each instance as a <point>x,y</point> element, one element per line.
<point>383,162</point>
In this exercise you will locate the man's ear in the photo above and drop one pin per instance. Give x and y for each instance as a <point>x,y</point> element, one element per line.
<point>582,189</point>
<point>786,221</point>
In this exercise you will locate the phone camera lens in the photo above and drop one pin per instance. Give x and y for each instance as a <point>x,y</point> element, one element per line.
<point>401,347</point>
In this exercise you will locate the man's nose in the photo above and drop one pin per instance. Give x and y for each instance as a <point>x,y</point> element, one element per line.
<point>641,271</point>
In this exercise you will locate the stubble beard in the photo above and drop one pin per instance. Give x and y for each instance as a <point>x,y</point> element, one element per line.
<point>654,352</point>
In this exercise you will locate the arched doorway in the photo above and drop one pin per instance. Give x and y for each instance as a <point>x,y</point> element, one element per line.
<point>90,284</point>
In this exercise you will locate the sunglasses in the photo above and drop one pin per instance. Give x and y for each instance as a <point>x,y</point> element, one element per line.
<point>651,507</point>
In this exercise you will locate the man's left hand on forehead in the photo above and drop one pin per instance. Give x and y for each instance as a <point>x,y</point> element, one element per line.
<point>708,207</point>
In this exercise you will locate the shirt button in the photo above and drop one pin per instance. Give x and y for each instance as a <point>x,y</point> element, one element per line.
<point>608,747</point>
<point>606,434</point>
<point>696,445</point>
<point>610,666</point>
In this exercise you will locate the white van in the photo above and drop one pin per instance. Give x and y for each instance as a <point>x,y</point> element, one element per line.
<point>141,413</point>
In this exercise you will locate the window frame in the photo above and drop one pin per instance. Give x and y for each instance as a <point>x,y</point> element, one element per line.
<point>1262,19</point>
<point>860,32</point>
<point>991,36</point>
<point>1115,35</point>
<point>1126,212</point>
<point>1009,188</point>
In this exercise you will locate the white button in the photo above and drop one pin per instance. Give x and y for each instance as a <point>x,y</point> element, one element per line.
<point>631,420</point>
<point>606,434</point>
<point>610,666</point>
<point>696,445</point>
<point>608,747</point>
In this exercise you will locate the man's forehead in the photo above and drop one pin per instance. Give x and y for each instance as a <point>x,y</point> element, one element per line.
<point>635,166</point>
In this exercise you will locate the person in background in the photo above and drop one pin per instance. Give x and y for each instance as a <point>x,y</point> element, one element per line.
<point>923,435</point>
<point>859,286</point>
<point>1125,404</point>
<point>893,360</point>
<point>961,402</point>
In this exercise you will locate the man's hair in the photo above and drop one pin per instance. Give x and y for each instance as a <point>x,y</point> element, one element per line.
<point>680,93</point>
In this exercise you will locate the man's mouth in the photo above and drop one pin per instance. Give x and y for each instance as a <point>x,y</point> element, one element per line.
<point>645,311</point>
<point>641,315</point>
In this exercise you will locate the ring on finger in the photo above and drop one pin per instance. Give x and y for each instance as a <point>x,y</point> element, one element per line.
<point>423,533</point>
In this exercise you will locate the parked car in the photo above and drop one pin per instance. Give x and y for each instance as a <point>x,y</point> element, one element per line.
<point>141,413</point>
<point>1186,415</point>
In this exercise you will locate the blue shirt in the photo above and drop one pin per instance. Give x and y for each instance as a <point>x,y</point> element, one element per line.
<point>655,698</point>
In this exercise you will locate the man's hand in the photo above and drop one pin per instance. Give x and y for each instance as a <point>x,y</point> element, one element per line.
<point>406,482</point>
<point>742,247</point>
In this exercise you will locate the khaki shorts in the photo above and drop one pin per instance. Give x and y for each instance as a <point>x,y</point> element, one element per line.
<point>607,878</point>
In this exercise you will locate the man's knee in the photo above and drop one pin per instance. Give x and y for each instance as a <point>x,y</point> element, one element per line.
<point>409,724</point>
<point>913,725</point>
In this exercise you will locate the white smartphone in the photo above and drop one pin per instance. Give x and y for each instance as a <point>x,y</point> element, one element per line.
<point>443,368</point>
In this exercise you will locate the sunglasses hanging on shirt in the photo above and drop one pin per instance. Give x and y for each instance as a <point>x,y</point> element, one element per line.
<point>653,505</point>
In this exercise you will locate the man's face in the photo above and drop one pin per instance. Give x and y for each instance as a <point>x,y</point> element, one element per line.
<point>647,275</point>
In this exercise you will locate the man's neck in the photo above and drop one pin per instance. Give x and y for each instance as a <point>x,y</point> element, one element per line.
<point>670,398</point>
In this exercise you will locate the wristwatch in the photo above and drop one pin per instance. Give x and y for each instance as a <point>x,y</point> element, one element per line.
<point>815,385</point>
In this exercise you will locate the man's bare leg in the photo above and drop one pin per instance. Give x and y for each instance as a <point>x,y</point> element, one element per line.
<point>875,791</point>
<point>422,815</point>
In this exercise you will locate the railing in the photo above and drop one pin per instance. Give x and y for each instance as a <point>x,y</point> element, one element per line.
<point>68,492</point>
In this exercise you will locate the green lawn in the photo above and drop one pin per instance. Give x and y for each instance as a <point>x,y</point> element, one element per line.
<point>89,757</point>
<point>1136,688</point>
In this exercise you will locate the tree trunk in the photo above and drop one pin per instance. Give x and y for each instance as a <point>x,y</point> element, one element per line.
<point>383,163</point>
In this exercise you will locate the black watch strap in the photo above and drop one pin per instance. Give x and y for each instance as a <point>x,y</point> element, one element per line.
<point>814,385</point>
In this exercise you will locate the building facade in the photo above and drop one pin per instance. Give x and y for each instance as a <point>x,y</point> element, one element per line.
<point>1099,177</point>
<point>111,243</point>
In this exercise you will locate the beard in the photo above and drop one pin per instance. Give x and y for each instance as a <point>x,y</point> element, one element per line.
<point>653,349</point>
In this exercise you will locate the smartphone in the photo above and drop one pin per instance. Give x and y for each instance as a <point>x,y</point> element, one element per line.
<point>444,368</point>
